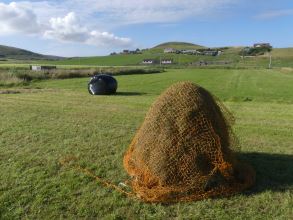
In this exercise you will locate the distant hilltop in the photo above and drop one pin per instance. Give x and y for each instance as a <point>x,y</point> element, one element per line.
<point>7,52</point>
<point>175,48</point>
<point>179,45</point>
<point>195,49</point>
<point>168,47</point>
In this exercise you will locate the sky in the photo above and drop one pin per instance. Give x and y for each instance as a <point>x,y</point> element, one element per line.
<point>97,27</point>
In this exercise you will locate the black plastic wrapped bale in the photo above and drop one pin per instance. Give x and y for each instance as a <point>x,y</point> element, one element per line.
<point>102,85</point>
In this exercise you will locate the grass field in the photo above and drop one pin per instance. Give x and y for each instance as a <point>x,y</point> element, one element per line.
<point>55,118</point>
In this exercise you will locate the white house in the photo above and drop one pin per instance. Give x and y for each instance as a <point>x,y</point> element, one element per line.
<point>167,61</point>
<point>148,61</point>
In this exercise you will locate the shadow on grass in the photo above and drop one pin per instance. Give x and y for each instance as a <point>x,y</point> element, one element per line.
<point>129,93</point>
<point>273,171</point>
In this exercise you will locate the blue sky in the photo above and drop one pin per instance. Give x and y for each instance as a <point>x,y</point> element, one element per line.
<point>96,27</point>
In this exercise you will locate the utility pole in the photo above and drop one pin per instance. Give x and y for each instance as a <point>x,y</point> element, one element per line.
<point>270,64</point>
<point>243,54</point>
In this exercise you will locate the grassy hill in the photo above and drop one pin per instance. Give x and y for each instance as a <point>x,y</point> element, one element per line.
<point>136,59</point>
<point>281,57</point>
<point>56,118</point>
<point>283,52</point>
<point>20,54</point>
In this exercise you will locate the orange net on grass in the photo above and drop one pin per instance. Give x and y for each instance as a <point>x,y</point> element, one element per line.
<point>182,151</point>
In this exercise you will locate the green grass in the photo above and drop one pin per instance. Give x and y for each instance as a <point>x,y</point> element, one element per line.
<point>123,60</point>
<point>40,126</point>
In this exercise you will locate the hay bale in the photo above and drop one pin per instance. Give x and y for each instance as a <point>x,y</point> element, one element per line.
<point>102,85</point>
<point>182,151</point>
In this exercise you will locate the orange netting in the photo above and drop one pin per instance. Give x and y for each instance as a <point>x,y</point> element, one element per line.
<point>182,151</point>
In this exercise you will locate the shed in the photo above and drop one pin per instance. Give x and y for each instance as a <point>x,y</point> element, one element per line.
<point>40,68</point>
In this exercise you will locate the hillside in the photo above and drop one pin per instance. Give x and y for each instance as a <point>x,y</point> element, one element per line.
<point>281,57</point>
<point>230,56</point>
<point>7,52</point>
<point>283,52</point>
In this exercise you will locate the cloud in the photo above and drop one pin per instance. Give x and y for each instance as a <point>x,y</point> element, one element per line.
<point>69,29</point>
<point>85,21</point>
<point>275,14</point>
<point>151,11</point>
<point>34,18</point>
<point>15,18</point>
<point>106,38</point>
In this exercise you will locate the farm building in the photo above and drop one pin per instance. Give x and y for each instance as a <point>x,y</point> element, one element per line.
<point>148,61</point>
<point>211,53</point>
<point>257,45</point>
<point>167,61</point>
<point>190,52</point>
<point>169,50</point>
<point>40,68</point>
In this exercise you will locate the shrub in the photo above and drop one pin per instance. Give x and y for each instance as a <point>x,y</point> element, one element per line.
<point>17,76</point>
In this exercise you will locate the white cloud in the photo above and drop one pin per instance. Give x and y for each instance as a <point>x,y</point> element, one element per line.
<point>15,18</point>
<point>69,29</point>
<point>151,11</point>
<point>106,38</point>
<point>275,13</point>
<point>85,21</point>
<point>34,18</point>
